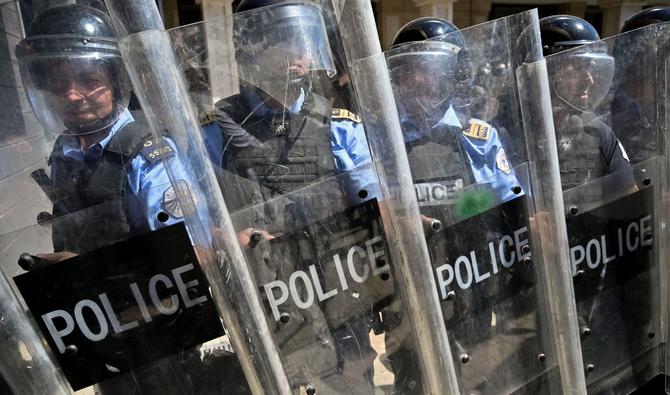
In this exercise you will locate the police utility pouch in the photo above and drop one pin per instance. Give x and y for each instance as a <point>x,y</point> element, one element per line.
<point>120,307</point>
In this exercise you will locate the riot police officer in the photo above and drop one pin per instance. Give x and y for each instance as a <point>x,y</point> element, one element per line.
<point>633,115</point>
<point>278,136</point>
<point>448,150</point>
<point>429,80</point>
<point>108,178</point>
<point>587,147</point>
<point>595,169</point>
<point>76,82</point>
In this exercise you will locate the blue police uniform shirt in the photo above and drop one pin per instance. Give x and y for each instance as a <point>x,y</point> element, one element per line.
<point>348,144</point>
<point>148,182</point>
<point>485,157</point>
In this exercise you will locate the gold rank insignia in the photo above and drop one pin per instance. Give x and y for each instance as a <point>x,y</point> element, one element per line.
<point>502,162</point>
<point>341,113</point>
<point>478,130</point>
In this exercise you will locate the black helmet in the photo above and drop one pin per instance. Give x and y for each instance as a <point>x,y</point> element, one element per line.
<point>80,38</point>
<point>561,32</point>
<point>428,28</point>
<point>646,17</point>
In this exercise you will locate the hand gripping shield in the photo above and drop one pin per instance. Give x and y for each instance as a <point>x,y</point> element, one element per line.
<point>609,109</point>
<point>483,186</point>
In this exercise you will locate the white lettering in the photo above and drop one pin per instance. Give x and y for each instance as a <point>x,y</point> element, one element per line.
<point>183,287</point>
<point>443,282</point>
<point>295,293</point>
<point>592,245</point>
<point>276,301</point>
<point>58,334</point>
<point>461,262</point>
<point>352,270</point>
<point>83,325</point>
<point>116,325</point>
<point>153,294</point>
<point>506,240</point>
<point>317,285</point>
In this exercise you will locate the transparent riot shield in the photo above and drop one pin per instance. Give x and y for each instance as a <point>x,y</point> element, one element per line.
<point>328,248</point>
<point>100,282</point>
<point>609,110</point>
<point>484,188</point>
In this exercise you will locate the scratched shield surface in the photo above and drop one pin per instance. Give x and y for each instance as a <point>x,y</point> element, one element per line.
<point>609,107</point>
<point>472,156</point>
<point>296,173</point>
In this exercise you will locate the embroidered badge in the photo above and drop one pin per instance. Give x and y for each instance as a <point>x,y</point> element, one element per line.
<point>502,162</point>
<point>565,143</point>
<point>171,204</point>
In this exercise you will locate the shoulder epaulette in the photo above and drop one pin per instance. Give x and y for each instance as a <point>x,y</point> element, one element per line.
<point>341,113</point>
<point>154,150</point>
<point>478,129</point>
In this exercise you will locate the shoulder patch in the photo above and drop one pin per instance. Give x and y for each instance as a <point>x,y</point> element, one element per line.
<point>478,129</point>
<point>154,151</point>
<point>341,113</point>
<point>171,204</point>
<point>502,162</point>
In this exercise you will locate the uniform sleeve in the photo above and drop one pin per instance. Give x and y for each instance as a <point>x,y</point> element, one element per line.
<point>352,156</point>
<point>213,140</point>
<point>616,158</point>
<point>152,202</point>
<point>489,164</point>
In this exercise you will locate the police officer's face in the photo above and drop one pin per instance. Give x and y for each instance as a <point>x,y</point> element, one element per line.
<point>576,84</point>
<point>420,89</point>
<point>298,59</point>
<point>80,94</point>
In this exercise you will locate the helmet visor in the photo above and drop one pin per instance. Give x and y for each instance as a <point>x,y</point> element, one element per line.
<point>422,76</point>
<point>580,79</point>
<point>75,94</point>
<point>277,47</point>
<point>74,85</point>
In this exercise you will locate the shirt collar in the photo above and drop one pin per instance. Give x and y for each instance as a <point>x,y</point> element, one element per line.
<point>72,148</point>
<point>449,119</point>
<point>262,110</point>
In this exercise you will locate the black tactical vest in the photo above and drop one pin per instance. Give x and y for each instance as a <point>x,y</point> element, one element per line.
<point>439,168</point>
<point>580,154</point>
<point>89,198</point>
<point>286,152</point>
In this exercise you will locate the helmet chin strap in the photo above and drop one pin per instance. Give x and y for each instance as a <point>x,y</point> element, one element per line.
<point>95,126</point>
<point>567,103</point>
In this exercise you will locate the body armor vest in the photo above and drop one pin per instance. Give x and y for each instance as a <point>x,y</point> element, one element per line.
<point>580,155</point>
<point>89,198</point>
<point>439,168</point>
<point>290,151</point>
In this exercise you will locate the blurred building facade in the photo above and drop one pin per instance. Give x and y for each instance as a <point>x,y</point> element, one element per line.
<point>606,15</point>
